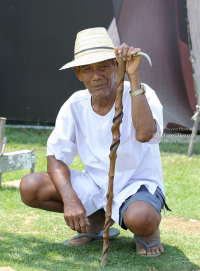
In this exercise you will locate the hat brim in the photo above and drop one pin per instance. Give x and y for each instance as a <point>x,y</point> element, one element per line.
<point>89,59</point>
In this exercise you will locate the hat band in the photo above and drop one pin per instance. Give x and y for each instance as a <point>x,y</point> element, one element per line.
<point>94,48</point>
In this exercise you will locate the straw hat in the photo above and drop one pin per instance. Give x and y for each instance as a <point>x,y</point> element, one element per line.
<point>92,45</point>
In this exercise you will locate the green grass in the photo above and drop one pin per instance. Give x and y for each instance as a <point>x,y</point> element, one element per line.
<point>31,239</point>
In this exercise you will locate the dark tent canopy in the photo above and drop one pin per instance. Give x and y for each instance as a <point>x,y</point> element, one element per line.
<point>37,38</point>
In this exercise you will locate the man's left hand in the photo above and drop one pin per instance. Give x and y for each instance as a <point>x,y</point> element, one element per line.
<point>132,63</point>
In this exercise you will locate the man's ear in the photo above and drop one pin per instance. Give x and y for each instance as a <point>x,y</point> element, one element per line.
<point>77,72</point>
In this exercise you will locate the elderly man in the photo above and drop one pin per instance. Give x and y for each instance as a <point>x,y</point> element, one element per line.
<point>83,127</point>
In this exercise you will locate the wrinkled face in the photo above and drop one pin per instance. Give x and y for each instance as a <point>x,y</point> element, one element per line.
<point>99,78</point>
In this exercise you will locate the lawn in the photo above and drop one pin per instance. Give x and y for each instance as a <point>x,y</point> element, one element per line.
<point>31,239</point>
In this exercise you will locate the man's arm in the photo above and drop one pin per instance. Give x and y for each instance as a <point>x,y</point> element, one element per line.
<point>74,211</point>
<point>142,117</point>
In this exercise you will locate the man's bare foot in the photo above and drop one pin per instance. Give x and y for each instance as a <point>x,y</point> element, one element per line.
<point>81,241</point>
<point>96,225</point>
<point>157,249</point>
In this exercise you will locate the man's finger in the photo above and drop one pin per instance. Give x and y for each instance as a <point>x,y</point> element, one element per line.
<point>67,222</point>
<point>125,51</point>
<point>131,48</point>
<point>71,224</point>
<point>135,51</point>
<point>119,50</point>
<point>83,229</point>
<point>116,51</point>
<point>80,231</point>
<point>84,223</point>
<point>77,225</point>
<point>121,47</point>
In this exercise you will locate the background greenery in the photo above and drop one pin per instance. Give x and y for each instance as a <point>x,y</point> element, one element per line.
<point>31,239</point>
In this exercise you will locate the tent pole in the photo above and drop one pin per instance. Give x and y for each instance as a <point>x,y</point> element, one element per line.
<point>196,117</point>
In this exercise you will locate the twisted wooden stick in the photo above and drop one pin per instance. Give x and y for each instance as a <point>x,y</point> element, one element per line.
<point>117,120</point>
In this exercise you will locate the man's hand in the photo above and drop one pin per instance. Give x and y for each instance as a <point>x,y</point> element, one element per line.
<point>132,63</point>
<point>75,213</point>
<point>141,113</point>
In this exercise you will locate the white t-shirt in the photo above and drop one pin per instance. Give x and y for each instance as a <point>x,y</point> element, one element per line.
<point>79,130</point>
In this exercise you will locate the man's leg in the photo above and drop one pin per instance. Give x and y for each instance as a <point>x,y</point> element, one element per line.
<point>38,191</point>
<point>143,219</point>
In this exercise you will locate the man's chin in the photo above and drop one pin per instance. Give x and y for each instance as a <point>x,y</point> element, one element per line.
<point>100,93</point>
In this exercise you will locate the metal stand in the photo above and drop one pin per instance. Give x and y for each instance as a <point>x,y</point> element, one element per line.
<point>14,160</point>
<point>2,140</point>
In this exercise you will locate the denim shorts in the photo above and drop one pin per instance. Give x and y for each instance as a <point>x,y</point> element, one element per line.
<point>157,201</point>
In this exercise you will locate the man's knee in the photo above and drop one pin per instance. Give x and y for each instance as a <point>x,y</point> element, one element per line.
<point>29,187</point>
<point>141,218</point>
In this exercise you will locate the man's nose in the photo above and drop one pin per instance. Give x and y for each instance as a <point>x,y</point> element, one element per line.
<point>96,74</point>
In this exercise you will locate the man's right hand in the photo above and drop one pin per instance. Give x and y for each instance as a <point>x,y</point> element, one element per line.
<point>75,213</point>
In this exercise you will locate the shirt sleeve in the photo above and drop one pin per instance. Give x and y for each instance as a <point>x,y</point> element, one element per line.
<point>157,112</point>
<point>62,141</point>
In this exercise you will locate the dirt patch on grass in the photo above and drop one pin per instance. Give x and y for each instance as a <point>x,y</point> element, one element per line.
<point>15,183</point>
<point>29,219</point>
<point>179,224</point>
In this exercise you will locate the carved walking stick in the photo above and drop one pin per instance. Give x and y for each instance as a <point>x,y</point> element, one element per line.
<point>117,120</point>
<point>113,149</point>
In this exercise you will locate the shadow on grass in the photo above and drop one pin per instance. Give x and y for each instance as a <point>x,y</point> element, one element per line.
<point>28,252</point>
<point>8,188</point>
